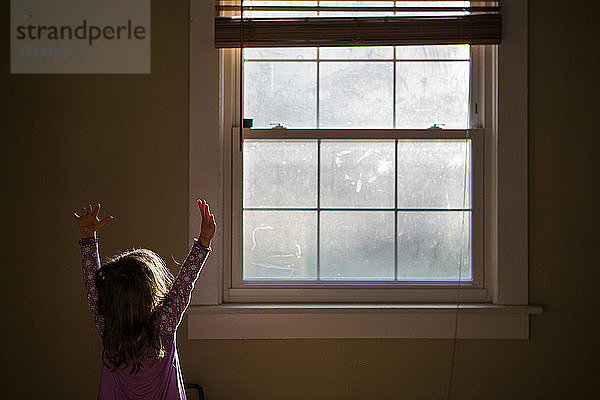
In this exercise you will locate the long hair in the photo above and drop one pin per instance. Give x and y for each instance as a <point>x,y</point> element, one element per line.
<point>130,287</point>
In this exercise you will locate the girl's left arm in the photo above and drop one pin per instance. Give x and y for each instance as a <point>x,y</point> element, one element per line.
<point>90,263</point>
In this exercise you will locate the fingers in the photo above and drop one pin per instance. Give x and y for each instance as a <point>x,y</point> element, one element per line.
<point>205,210</point>
<point>96,210</point>
<point>76,216</point>
<point>89,209</point>
<point>104,221</point>
<point>202,206</point>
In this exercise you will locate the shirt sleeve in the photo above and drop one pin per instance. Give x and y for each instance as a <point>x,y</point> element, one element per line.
<point>90,263</point>
<point>178,298</point>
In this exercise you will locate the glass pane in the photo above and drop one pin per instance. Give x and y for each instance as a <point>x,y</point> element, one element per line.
<point>357,245</point>
<point>357,52</point>
<point>434,52</point>
<point>278,14</point>
<point>278,53</point>
<point>281,92</point>
<point>430,93</point>
<point>280,173</point>
<point>431,4</point>
<point>431,174</point>
<point>430,245</point>
<point>356,95</point>
<point>357,173</point>
<point>280,244</point>
<point>345,3</point>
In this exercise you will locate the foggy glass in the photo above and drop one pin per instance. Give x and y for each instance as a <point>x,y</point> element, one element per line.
<point>373,4</point>
<point>434,52</point>
<point>357,174</point>
<point>431,173</point>
<point>357,245</point>
<point>356,95</point>
<point>430,93</point>
<point>278,14</point>
<point>279,244</point>
<point>281,53</point>
<point>357,52</point>
<point>431,4</point>
<point>430,244</point>
<point>281,92</point>
<point>280,173</point>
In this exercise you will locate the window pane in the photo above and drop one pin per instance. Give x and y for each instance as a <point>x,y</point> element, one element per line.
<point>431,4</point>
<point>429,245</point>
<point>345,3</point>
<point>431,173</point>
<point>430,93</point>
<point>280,244</point>
<point>278,14</point>
<point>357,173</point>
<point>356,95</point>
<point>280,173</point>
<point>280,92</point>
<point>357,245</point>
<point>434,52</point>
<point>358,52</point>
<point>287,53</point>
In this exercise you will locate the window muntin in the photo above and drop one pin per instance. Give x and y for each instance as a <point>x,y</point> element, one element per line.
<point>357,210</point>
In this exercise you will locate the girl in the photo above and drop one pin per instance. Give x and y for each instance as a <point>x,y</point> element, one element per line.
<point>137,307</point>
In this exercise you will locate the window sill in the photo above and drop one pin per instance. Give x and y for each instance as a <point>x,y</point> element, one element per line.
<point>331,321</point>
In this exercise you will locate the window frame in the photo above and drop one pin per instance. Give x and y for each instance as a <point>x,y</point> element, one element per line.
<point>237,290</point>
<point>504,315</point>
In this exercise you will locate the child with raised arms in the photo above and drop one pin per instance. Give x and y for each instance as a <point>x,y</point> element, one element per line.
<point>137,307</point>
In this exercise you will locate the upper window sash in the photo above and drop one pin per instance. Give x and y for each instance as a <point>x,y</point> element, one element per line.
<point>474,119</point>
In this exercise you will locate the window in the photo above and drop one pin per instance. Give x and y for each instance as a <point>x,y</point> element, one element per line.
<point>346,182</point>
<point>276,188</point>
<point>353,202</point>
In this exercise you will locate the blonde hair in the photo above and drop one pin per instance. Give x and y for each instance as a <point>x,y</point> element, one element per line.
<point>131,286</point>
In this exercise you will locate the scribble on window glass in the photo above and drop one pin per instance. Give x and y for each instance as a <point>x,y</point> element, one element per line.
<point>279,244</point>
<point>357,174</point>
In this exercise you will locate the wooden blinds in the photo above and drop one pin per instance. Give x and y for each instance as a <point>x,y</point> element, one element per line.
<point>355,23</point>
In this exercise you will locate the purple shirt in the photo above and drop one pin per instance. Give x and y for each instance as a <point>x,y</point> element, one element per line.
<point>163,380</point>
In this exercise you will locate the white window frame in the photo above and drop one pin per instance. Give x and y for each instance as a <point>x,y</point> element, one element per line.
<point>237,290</point>
<point>501,312</point>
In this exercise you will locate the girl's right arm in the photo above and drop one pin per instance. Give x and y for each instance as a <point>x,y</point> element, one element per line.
<point>180,294</point>
<point>90,260</point>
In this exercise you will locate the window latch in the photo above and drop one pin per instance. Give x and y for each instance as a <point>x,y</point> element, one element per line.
<point>276,125</point>
<point>436,126</point>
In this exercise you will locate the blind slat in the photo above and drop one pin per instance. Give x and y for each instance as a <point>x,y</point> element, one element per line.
<point>359,8</point>
<point>353,31</point>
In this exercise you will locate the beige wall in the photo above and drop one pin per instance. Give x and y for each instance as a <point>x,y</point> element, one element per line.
<point>122,140</point>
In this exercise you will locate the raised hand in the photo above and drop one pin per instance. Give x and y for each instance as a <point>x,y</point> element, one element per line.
<point>208,226</point>
<point>89,222</point>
